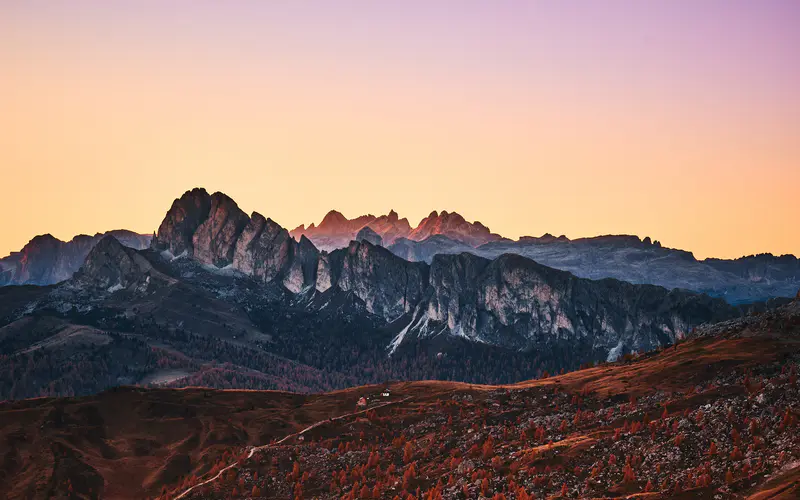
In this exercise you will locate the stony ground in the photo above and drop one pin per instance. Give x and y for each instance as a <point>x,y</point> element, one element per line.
<point>719,438</point>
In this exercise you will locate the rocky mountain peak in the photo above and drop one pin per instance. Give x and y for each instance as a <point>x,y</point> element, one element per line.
<point>111,266</point>
<point>333,219</point>
<point>454,226</point>
<point>367,234</point>
<point>185,215</point>
<point>46,239</point>
<point>336,230</point>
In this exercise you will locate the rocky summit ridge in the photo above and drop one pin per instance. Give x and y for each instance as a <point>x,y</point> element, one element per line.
<point>754,278</point>
<point>336,230</point>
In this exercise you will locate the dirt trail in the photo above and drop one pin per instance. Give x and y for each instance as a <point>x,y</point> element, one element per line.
<point>283,440</point>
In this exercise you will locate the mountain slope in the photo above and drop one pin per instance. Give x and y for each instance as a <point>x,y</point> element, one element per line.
<point>713,417</point>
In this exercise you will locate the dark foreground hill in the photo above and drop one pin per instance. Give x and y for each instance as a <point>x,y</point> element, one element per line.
<point>715,416</point>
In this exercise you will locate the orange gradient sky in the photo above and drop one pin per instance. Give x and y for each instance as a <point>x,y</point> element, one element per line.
<point>665,119</point>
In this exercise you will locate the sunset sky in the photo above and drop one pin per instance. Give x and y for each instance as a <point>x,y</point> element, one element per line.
<point>674,119</point>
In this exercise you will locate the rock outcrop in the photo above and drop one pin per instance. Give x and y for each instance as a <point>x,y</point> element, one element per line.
<point>214,231</point>
<point>264,249</point>
<point>335,230</point>
<point>303,268</point>
<point>425,250</point>
<point>388,285</point>
<point>367,234</point>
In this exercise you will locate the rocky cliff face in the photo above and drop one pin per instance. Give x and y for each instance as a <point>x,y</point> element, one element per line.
<point>624,257</point>
<point>388,285</point>
<point>214,231</point>
<point>214,241</point>
<point>303,268</point>
<point>264,249</point>
<point>425,250</point>
<point>762,268</point>
<point>46,260</point>
<point>514,301</point>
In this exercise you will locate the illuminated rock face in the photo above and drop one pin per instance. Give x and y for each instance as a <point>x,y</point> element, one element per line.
<point>263,249</point>
<point>182,220</point>
<point>514,302</point>
<point>336,230</point>
<point>215,239</point>
<point>214,231</point>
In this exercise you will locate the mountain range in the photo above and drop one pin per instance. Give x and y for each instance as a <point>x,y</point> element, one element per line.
<point>226,299</point>
<point>46,260</point>
<point>625,257</point>
<point>510,301</point>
